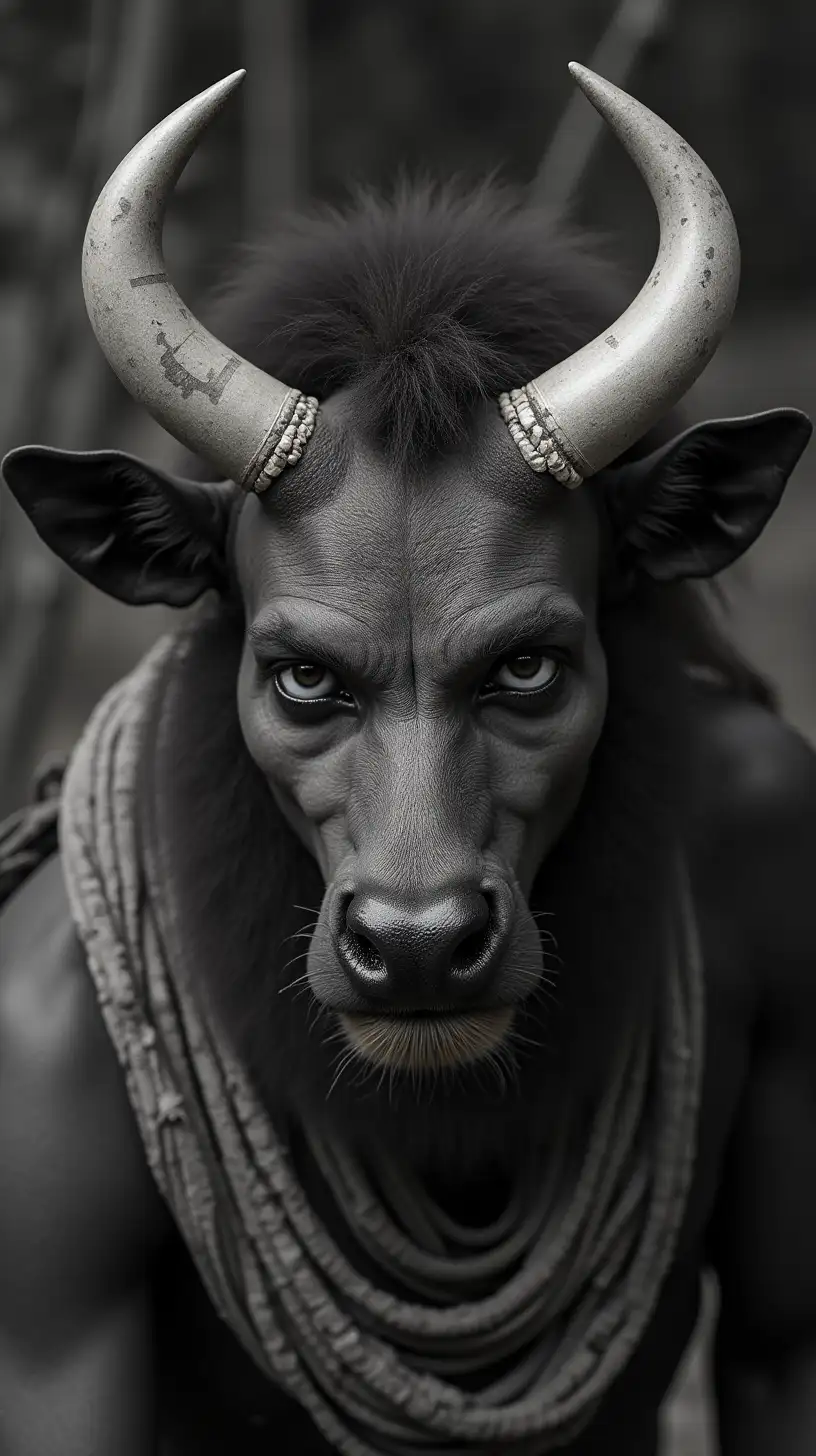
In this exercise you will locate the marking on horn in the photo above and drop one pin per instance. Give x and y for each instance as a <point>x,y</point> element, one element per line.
<point>183,379</point>
<point>146,280</point>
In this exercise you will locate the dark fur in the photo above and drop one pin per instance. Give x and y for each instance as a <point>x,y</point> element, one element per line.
<point>423,305</point>
<point>239,873</point>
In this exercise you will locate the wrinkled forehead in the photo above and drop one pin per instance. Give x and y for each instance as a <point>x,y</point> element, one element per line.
<point>475,525</point>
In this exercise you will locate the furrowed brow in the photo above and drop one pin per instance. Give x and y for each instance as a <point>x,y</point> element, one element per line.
<point>504,625</point>
<point>337,639</point>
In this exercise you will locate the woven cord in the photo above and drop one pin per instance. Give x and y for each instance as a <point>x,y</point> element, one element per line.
<point>29,836</point>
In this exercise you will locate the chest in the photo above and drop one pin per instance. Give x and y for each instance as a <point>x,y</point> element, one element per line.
<point>214,1398</point>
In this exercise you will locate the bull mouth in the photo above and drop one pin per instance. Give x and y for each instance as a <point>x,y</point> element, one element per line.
<point>427,1042</point>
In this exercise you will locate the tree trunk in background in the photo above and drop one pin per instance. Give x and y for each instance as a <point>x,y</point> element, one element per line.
<point>67,395</point>
<point>274,110</point>
<point>634,26</point>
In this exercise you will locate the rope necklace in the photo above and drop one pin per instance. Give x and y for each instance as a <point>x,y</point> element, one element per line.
<point>536,1315</point>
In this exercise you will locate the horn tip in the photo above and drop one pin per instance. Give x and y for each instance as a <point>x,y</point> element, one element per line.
<point>584,77</point>
<point>601,93</point>
<point>230,82</point>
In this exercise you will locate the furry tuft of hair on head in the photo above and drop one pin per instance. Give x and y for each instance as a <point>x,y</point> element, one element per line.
<point>422,304</point>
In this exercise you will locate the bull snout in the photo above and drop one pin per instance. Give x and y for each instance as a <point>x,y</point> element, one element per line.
<point>437,953</point>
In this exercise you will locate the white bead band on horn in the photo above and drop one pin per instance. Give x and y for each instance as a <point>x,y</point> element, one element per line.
<point>248,424</point>
<point>537,442</point>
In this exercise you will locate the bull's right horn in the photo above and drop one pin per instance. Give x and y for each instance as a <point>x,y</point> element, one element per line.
<point>245,422</point>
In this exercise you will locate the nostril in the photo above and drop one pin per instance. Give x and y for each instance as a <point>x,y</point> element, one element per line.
<point>357,948</point>
<point>472,949</point>
<point>364,950</point>
<point>478,953</point>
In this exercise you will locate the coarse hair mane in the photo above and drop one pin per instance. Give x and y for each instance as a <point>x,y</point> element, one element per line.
<point>424,304</point>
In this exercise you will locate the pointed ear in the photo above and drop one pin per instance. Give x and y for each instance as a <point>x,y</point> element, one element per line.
<point>130,529</point>
<point>695,505</point>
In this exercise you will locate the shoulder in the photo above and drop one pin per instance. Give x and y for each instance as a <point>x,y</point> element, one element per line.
<point>78,1208</point>
<point>46,997</point>
<point>755,871</point>
<point>754,765</point>
<point>754,837</point>
<point>51,1030</point>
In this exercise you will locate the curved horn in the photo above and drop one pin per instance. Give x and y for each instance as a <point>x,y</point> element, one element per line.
<point>248,424</point>
<point>576,417</point>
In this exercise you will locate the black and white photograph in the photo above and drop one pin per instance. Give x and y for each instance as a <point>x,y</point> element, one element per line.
<point>407,728</point>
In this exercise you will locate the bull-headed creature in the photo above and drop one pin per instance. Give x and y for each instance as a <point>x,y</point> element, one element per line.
<point>452,600</point>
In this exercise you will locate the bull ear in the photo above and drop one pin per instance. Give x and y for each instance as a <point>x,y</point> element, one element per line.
<point>130,529</point>
<point>696,504</point>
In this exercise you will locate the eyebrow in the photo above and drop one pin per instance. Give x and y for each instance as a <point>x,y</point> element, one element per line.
<point>347,645</point>
<point>497,628</point>
<point>327,635</point>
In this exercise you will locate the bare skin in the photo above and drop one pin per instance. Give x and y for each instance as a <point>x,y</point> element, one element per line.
<point>106,1335</point>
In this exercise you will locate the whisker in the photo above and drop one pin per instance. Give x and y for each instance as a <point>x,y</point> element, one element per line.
<point>349,1057</point>
<point>302,934</point>
<point>519,1038</point>
<point>382,1076</point>
<point>299,981</point>
<point>367,1070</point>
<point>508,1063</point>
<point>301,954</point>
<point>289,985</point>
<point>341,1036</point>
<point>318,1011</point>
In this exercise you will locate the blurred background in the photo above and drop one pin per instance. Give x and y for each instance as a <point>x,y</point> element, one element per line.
<point>340,91</point>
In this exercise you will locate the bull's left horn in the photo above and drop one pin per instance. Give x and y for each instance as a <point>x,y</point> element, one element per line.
<point>245,422</point>
<point>582,413</point>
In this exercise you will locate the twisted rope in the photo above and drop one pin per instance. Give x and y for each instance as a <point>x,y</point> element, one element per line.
<point>29,836</point>
<point>562,1287</point>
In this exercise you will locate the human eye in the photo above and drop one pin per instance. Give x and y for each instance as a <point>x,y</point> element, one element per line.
<point>306,681</point>
<point>308,691</point>
<point>525,672</point>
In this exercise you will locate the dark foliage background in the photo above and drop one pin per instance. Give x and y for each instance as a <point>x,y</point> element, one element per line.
<point>340,91</point>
